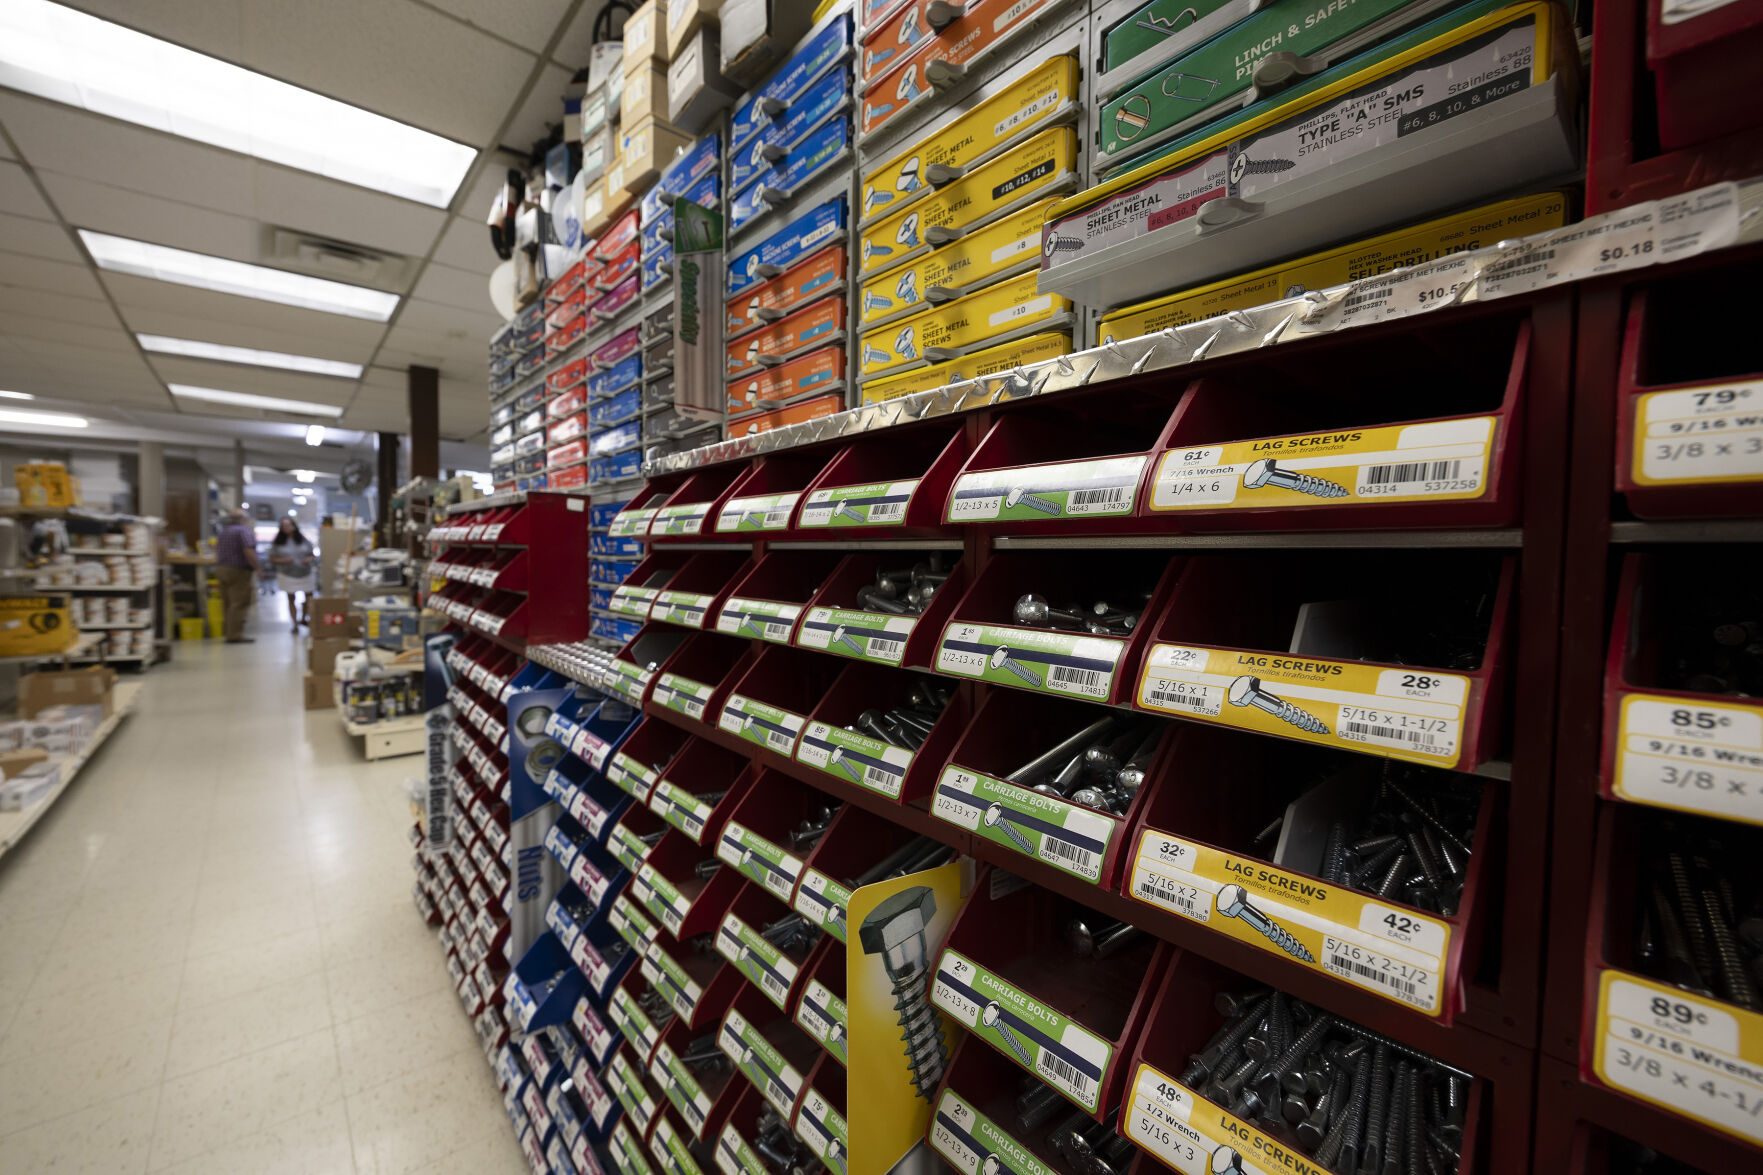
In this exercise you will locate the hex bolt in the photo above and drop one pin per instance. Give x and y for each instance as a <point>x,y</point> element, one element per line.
<point>1233,902</point>
<point>1228,1040</point>
<point>784,1164</point>
<point>1022,496</point>
<point>1417,1154</point>
<point>1689,914</point>
<point>650,838</point>
<point>1392,877</point>
<point>895,930</point>
<point>1239,1003</point>
<point>1100,942</point>
<point>1345,1133</point>
<point>1314,1127</point>
<point>1226,1161</point>
<point>1284,1071</point>
<point>1246,691</point>
<point>1035,612</point>
<point>1334,851</point>
<point>1426,817</point>
<point>996,817</point>
<point>1001,659</point>
<point>1266,472</point>
<point>1230,1087</point>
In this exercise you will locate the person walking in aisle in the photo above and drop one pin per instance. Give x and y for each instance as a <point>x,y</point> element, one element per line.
<point>235,558</point>
<point>296,570</point>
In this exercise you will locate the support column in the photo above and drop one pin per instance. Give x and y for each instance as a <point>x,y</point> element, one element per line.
<point>424,384</point>
<point>238,475</point>
<point>150,476</point>
<point>385,484</point>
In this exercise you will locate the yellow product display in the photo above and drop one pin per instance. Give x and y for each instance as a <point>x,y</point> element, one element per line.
<point>1457,233</point>
<point>45,484</point>
<point>1390,950</point>
<point>1042,94</point>
<point>1003,357</point>
<point>1004,247</point>
<point>35,625</point>
<point>1039,167</point>
<point>1011,307</point>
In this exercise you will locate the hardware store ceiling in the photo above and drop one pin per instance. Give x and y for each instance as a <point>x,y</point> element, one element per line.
<point>481,72</point>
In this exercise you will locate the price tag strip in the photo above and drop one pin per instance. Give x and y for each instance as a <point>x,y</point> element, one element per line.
<point>764,512</point>
<point>588,879</point>
<point>631,1091</point>
<point>824,1017</point>
<point>769,620</point>
<point>1184,1130</point>
<point>599,1103</point>
<point>683,695</point>
<point>1438,461</point>
<point>687,518</point>
<point>876,504</point>
<point>688,609</point>
<point>668,977</point>
<point>764,966</point>
<point>630,776</point>
<point>597,1039</point>
<point>587,811</point>
<point>1001,249</point>
<point>1039,493</point>
<point>661,898</point>
<point>823,1128</point>
<point>627,1152</point>
<point>1011,307</point>
<point>1691,1055</point>
<point>766,726</point>
<point>591,963</point>
<point>1690,754</point>
<point>628,847</point>
<point>1699,436</point>
<point>1052,1047</point>
<point>755,857</point>
<point>776,1080</point>
<point>631,1020</point>
<point>1037,99</point>
<point>630,600</point>
<point>681,808</point>
<point>590,748</point>
<point>1410,714</point>
<point>735,1157</point>
<point>970,1141</point>
<point>855,758</point>
<point>823,901</point>
<point>1068,837</point>
<point>680,1088</point>
<point>672,1151</point>
<point>629,679</point>
<point>1389,950</point>
<point>1064,664</point>
<point>863,636</point>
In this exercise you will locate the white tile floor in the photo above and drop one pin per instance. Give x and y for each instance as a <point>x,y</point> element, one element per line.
<point>209,960</point>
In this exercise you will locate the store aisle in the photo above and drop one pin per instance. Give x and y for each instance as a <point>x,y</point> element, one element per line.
<point>209,960</point>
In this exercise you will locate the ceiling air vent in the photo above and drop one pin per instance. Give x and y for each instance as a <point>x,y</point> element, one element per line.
<point>337,260</point>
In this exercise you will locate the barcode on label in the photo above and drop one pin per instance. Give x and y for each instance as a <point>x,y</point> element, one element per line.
<point>778,741</point>
<point>778,1095</point>
<point>1089,681</point>
<point>773,986</point>
<point>1365,730</point>
<point>877,777</point>
<point>886,511</point>
<point>776,630</point>
<point>1066,1074</point>
<point>1181,696</point>
<point>887,649</point>
<point>1055,849</point>
<point>1184,898</point>
<point>776,518</point>
<point>1110,498</point>
<point>1413,471</point>
<point>1403,987</point>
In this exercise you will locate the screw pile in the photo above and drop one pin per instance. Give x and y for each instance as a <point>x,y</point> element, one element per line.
<point>909,725</point>
<point>1413,843</point>
<point>1091,1147</point>
<point>810,829</point>
<point>915,856</point>
<point>1100,618</point>
<point>1699,922</point>
<point>1712,653</point>
<point>791,934</point>
<point>655,1005</point>
<point>1102,766</point>
<point>905,591</point>
<point>1355,1101</point>
<point>782,1151</point>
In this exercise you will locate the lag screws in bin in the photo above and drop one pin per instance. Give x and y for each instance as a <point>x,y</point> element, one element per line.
<point>1354,1100</point>
<point>906,591</point>
<point>1412,845</point>
<point>1699,925</point>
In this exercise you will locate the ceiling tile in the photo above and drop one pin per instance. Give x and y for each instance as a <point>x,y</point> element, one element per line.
<point>18,195</point>
<point>345,212</point>
<point>100,338</point>
<point>135,294</point>
<point>454,287</point>
<point>528,23</point>
<point>466,245</point>
<point>36,273</point>
<point>89,204</point>
<point>578,38</point>
<point>477,326</point>
<point>542,109</point>
<point>21,234</point>
<point>35,304</point>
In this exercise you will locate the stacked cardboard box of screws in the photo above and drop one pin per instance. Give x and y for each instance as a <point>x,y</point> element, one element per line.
<point>1353,1100</point>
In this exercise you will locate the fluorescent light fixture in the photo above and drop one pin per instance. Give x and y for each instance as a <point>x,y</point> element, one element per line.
<point>305,476</point>
<point>291,511</point>
<point>247,400</point>
<point>16,396</point>
<point>315,434</point>
<point>122,255</point>
<point>44,419</point>
<point>195,349</point>
<point>67,56</point>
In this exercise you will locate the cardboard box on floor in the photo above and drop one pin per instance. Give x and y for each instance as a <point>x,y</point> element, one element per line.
<point>331,617</point>
<point>67,687</point>
<point>318,691</point>
<point>322,658</point>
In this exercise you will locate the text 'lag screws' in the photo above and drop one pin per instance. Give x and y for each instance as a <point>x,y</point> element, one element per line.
<point>1355,1101</point>
<point>1699,925</point>
<point>1102,766</point>
<point>904,591</point>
